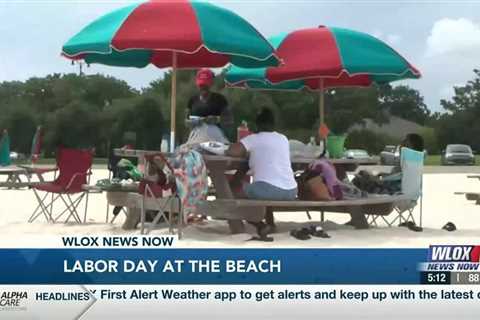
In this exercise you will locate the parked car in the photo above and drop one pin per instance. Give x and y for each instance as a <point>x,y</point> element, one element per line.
<point>15,156</point>
<point>458,154</point>
<point>390,148</point>
<point>390,156</point>
<point>357,154</point>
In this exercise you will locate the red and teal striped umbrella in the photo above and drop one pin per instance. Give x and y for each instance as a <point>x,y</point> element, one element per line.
<point>178,34</point>
<point>323,57</point>
<point>37,142</point>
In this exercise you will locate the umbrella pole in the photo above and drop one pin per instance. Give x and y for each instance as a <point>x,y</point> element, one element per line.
<point>321,102</point>
<point>173,101</point>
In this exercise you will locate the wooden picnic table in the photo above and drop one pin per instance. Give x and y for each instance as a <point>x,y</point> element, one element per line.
<point>471,196</point>
<point>130,187</point>
<point>15,173</point>
<point>218,165</point>
<point>119,195</point>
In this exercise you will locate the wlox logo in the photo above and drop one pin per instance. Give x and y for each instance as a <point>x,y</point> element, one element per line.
<point>12,300</point>
<point>454,253</point>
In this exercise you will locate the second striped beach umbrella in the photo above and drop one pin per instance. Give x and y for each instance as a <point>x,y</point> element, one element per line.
<point>325,57</point>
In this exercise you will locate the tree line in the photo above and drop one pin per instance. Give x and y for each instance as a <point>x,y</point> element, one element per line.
<point>101,111</point>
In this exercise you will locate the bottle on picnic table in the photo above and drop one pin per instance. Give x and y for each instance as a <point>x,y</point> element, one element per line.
<point>242,130</point>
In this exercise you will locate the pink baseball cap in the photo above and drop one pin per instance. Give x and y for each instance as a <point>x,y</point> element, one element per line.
<point>204,77</point>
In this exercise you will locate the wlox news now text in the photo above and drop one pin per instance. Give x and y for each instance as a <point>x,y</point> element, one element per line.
<point>118,241</point>
<point>453,258</point>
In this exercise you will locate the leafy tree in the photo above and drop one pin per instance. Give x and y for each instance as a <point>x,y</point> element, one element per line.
<point>77,125</point>
<point>149,124</point>
<point>141,115</point>
<point>101,90</point>
<point>369,140</point>
<point>404,102</point>
<point>349,106</point>
<point>96,110</point>
<point>460,123</point>
<point>430,140</point>
<point>21,125</point>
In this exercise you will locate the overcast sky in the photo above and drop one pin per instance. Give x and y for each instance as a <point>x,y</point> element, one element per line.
<point>441,38</point>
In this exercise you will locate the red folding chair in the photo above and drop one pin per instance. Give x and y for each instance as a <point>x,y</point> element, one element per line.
<point>74,168</point>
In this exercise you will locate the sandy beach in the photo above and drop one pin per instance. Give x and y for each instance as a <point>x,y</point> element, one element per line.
<point>440,206</point>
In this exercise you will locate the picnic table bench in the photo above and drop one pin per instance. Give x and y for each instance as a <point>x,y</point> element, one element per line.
<point>255,210</point>
<point>15,173</point>
<point>126,195</point>
<point>471,196</point>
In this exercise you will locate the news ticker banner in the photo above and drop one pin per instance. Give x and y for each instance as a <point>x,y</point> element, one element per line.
<point>94,260</point>
<point>210,266</point>
<point>238,302</point>
<point>140,276</point>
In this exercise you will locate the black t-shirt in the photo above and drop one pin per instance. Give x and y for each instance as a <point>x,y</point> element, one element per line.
<point>214,105</point>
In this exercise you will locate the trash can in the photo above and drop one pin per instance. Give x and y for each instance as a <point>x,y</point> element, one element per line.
<point>5,149</point>
<point>335,146</point>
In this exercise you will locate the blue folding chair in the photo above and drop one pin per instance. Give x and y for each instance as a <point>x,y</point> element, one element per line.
<point>411,162</point>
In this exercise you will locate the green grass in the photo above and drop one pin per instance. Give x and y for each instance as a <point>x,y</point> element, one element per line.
<point>435,160</point>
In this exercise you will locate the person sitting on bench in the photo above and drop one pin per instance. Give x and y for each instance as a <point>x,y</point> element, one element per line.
<point>268,156</point>
<point>388,183</point>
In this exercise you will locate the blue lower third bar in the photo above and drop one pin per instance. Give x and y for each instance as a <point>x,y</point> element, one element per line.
<point>211,266</point>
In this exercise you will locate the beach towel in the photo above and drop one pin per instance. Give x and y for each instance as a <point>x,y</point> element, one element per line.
<point>191,178</point>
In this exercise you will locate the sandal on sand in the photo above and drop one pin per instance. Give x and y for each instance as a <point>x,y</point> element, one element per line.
<point>195,219</point>
<point>301,234</point>
<point>263,230</point>
<point>411,226</point>
<point>263,239</point>
<point>449,227</point>
<point>318,232</point>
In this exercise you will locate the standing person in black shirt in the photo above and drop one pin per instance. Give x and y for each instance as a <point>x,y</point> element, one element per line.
<point>208,113</point>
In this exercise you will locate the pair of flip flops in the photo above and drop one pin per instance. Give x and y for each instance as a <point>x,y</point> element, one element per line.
<point>411,226</point>
<point>308,233</point>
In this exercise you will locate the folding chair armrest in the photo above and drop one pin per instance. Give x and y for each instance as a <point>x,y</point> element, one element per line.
<point>78,174</point>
